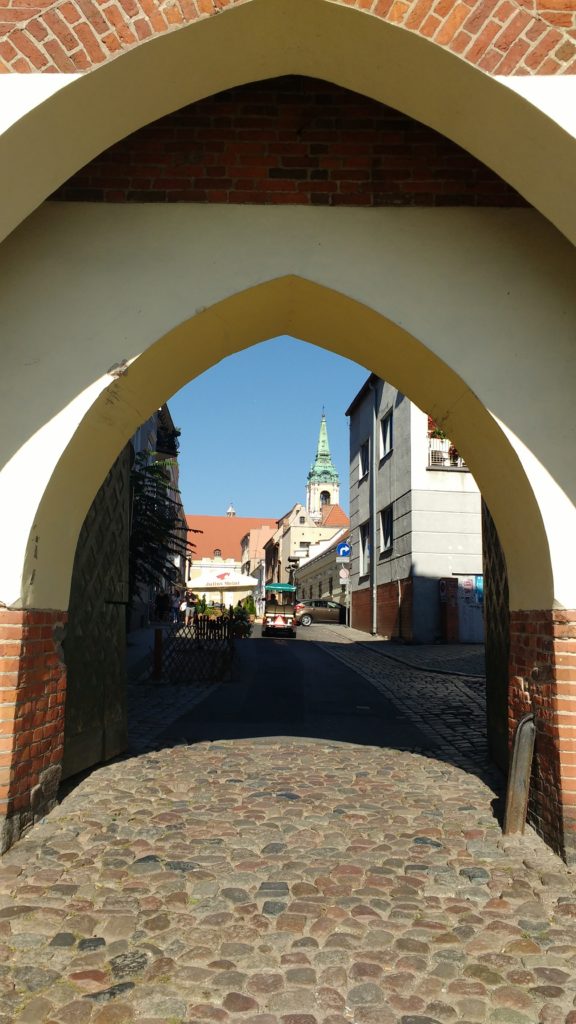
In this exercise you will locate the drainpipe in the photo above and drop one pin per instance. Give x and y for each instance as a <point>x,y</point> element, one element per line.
<point>373,511</point>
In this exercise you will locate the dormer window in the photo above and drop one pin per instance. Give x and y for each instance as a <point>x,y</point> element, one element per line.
<point>217,553</point>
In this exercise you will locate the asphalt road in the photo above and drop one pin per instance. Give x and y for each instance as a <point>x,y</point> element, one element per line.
<point>284,687</point>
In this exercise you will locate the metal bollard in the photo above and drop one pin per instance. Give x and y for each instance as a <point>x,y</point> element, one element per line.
<point>157,663</point>
<point>518,788</point>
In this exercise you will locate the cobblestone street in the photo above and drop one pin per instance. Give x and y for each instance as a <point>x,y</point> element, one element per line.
<point>290,880</point>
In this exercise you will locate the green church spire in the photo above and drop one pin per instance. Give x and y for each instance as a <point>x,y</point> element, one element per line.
<point>323,470</point>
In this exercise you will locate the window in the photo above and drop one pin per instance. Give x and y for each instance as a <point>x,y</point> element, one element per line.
<point>330,586</point>
<point>310,591</point>
<point>320,590</point>
<point>386,529</point>
<point>386,438</point>
<point>302,520</point>
<point>325,497</point>
<point>364,464</point>
<point>365,549</point>
<point>217,553</point>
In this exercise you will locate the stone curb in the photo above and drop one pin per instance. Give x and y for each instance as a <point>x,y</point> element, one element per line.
<point>411,664</point>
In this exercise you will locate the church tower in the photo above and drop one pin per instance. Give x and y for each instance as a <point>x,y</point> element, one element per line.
<point>323,485</point>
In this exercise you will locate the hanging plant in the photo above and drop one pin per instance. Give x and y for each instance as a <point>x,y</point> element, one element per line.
<point>435,431</point>
<point>158,531</point>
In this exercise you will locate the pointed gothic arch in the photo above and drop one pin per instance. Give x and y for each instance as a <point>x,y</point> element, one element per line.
<point>473,320</point>
<point>516,135</point>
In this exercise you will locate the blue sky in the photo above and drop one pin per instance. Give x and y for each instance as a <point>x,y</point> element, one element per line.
<point>250,427</point>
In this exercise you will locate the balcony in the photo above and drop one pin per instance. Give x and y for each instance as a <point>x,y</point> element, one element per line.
<point>443,455</point>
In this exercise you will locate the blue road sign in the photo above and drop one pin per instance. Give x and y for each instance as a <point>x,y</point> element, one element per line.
<point>344,550</point>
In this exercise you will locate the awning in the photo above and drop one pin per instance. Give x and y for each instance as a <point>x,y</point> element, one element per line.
<point>226,579</point>
<point>281,588</point>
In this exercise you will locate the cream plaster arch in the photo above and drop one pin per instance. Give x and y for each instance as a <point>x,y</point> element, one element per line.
<point>207,281</point>
<point>65,127</point>
<point>312,313</point>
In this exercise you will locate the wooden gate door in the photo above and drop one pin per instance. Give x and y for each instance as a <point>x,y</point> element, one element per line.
<point>95,642</point>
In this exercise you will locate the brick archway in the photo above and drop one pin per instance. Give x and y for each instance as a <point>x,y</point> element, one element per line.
<point>70,117</point>
<point>124,399</point>
<point>436,67</point>
<point>500,38</point>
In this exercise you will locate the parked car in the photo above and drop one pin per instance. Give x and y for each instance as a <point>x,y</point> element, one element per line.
<point>307,612</point>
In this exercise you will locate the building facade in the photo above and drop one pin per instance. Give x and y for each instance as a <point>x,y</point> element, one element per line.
<point>415,524</point>
<point>295,536</point>
<point>306,530</point>
<point>223,552</point>
<point>253,559</point>
<point>319,577</point>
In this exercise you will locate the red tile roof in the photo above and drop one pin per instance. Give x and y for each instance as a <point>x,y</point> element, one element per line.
<point>334,515</point>
<point>222,532</point>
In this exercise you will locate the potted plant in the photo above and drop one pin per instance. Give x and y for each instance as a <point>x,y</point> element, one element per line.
<point>250,607</point>
<point>241,625</point>
<point>454,455</point>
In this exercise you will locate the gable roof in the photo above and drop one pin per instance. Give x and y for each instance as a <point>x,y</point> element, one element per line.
<point>224,533</point>
<point>334,515</point>
<point>367,386</point>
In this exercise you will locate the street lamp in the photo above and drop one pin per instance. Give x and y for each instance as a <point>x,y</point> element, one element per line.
<point>293,563</point>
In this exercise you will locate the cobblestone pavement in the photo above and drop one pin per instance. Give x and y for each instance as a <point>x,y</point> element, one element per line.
<point>286,881</point>
<point>153,706</point>
<point>449,710</point>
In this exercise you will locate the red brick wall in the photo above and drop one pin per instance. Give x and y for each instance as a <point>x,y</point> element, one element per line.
<point>362,610</point>
<point>543,680</point>
<point>394,620</point>
<point>32,696</point>
<point>499,36</point>
<point>290,140</point>
<point>395,609</point>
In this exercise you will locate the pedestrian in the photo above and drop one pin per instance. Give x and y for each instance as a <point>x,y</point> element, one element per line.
<point>175,607</point>
<point>182,609</point>
<point>190,607</point>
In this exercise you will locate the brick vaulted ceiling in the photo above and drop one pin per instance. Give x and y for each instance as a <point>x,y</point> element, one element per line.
<point>289,140</point>
<point>501,37</point>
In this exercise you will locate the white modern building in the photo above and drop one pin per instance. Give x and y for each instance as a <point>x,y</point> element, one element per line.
<point>415,524</point>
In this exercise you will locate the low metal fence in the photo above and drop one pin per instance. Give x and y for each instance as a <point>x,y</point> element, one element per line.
<point>198,652</point>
